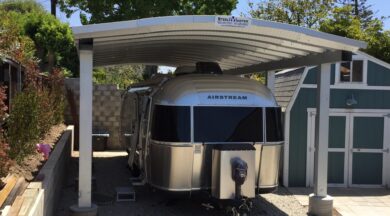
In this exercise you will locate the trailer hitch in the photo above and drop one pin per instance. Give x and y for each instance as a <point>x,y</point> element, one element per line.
<point>242,204</point>
<point>239,174</point>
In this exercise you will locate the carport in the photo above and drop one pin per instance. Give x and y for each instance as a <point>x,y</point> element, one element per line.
<point>239,45</point>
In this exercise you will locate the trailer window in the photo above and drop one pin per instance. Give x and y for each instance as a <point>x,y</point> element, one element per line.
<point>171,123</point>
<point>274,124</point>
<point>228,124</point>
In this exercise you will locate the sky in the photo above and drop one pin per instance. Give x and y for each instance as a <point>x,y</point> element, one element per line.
<point>380,7</point>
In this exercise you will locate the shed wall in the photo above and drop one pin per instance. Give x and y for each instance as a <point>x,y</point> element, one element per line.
<point>367,99</point>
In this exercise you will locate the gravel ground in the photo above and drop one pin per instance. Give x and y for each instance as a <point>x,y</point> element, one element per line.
<point>110,171</point>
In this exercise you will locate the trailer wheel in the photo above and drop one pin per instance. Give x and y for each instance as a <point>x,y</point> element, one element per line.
<point>135,171</point>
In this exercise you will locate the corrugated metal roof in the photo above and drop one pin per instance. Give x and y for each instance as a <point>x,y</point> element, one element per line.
<point>184,40</point>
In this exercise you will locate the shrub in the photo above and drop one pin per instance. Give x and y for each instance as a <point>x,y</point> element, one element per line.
<point>45,112</point>
<point>23,124</point>
<point>5,161</point>
<point>56,87</point>
<point>34,111</point>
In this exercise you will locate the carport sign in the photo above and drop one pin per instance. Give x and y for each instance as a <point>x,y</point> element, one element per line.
<point>232,21</point>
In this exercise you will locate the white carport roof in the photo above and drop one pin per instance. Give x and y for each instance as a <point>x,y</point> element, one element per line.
<point>184,40</point>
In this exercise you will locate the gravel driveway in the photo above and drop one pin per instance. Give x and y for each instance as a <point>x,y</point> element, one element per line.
<point>110,171</point>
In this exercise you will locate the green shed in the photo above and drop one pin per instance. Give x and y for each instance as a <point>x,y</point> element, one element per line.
<point>359,124</point>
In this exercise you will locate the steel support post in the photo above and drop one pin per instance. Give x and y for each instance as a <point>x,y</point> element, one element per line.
<point>85,157</point>
<point>85,206</point>
<point>319,202</point>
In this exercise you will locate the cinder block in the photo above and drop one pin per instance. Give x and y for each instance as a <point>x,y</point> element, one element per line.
<point>111,119</point>
<point>113,87</point>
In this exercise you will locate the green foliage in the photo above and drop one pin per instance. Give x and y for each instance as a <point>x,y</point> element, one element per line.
<point>306,13</point>
<point>345,23</point>
<point>12,44</point>
<point>259,77</point>
<point>56,95</point>
<point>348,18</point>
<point>5,161</point>
<point>48,33</point>
<point>123,75</point>
<point>41,103</point>
<point>21,6</point>
<point>97,11</point>
<point>34,111</point>
<point>23,129</point>
<point>360,9</point>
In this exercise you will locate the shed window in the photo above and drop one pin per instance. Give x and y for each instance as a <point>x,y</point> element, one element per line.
<point>351,71</point>
<point>171,123</point>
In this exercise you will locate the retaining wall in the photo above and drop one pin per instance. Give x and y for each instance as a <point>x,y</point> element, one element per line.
<point>54,171</point>
<point>41,197</point>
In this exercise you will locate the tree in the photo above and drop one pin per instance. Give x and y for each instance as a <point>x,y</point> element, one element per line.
<point>21,6</point>
<point>345,23</point>
<point>348,18</point>
<point>360,9</point>
<point>122,75</point>
<point>306,13</point>
<point>47,32</point>
<point>97,11</point>
<point>50,35</point>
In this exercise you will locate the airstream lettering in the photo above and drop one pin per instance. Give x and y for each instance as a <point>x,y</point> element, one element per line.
<point>227,97</point>
<point>201,131</point>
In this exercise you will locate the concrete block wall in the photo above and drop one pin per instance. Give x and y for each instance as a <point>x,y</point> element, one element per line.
<point>106,109</point>
<point>54,172</point>
<point>41,197</point>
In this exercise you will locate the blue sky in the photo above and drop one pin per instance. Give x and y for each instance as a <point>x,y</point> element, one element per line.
<point>381,7</point>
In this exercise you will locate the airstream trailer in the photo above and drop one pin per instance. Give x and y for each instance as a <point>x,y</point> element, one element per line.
<point>202,131</point>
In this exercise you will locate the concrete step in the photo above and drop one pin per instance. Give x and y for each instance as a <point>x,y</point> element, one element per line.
<point>137,181</point>
<point>125,194</point>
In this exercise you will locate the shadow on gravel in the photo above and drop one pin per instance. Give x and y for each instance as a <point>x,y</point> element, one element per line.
<point>112,172</point>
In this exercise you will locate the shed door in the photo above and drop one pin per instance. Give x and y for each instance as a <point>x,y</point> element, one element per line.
<point>368,150</point>
<point>337,150</point>
<point>358,153</point>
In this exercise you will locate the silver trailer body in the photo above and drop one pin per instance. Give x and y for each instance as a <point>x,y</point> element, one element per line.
<point>181,120</point>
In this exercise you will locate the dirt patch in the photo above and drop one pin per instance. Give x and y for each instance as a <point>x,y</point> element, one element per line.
<point>31,164</point>
<point>54,135</point>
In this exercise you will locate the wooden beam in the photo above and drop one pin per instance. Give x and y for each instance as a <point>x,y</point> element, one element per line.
<point>11,182</point>
<point>15,208</point>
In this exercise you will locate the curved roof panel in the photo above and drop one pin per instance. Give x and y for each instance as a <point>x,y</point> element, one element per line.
<point>185,40</point>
